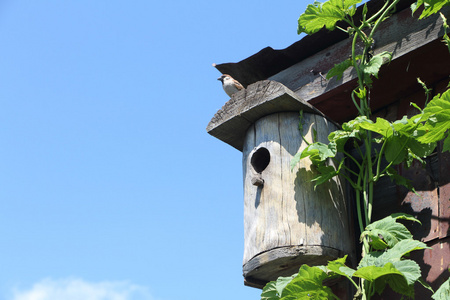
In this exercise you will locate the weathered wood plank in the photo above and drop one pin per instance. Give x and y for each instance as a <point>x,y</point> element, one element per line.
<point>285,261</point>
<point>287,211</point>
<point>231,122</point>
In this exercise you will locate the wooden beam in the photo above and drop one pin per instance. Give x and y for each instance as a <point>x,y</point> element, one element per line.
<point>402,35</point>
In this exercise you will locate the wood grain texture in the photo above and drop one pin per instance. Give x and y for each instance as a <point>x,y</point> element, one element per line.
<point>231,122</point>
<point>286,211</point>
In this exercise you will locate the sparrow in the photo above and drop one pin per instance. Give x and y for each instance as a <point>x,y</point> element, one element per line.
<point>230,85</point>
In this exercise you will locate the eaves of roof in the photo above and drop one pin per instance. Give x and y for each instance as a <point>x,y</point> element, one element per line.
<point>269,62</point>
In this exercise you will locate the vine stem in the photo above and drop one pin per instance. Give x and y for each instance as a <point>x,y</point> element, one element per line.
<point>382,17</point>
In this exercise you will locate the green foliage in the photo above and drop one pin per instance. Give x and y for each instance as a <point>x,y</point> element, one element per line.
<point>387,232</point>
<point>306,284</point>
<point>436,118</point>
<point>381,267</point>
<point>430,7</point>
<point>274,289</point>
<point>443,293</point>
<point>319,15</point>
<point>375,63</point>
<point>339,69</point>
<point>386,242</point>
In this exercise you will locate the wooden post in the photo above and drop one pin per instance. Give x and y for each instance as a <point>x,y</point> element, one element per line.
<point>288,222</point>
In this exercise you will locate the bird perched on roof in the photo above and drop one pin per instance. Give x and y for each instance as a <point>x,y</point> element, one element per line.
<point>230,85</point>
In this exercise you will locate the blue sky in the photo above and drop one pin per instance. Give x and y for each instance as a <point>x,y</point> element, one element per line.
<point>110,187</point>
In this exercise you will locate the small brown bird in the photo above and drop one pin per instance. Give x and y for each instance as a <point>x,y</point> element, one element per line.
<point>230,85</point>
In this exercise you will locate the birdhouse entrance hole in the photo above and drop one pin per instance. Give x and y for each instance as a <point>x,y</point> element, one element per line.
<point>260,159</point>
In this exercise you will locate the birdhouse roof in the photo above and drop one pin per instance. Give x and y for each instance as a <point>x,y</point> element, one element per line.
<point>259,99</point>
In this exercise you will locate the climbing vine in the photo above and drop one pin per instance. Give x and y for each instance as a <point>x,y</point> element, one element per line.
<point>386,243</point>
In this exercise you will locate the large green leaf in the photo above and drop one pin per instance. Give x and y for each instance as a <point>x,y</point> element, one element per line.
<point>387,232</point>
<point>371,273</point>
<point>381,126</point>
<point>379,258</point>
<point>390,274</point>
<point>401,136</point>
<point>401,249</point>
<point>319,15</point>
<point>308,285</point>
<point>395,150</point>
<point>437,117</point>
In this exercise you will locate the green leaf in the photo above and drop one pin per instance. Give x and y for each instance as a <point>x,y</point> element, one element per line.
<point>420,149</point>
<point>395,150</point>
<point>308,285</point>
<point>381,126</point>
<point>371,273</point>
<point>437,119</point>
<point>387,232</point>
<point>325,174</point>
<point>319,15</point>
<point>319,152</point>
<point>274,289</point>
<point>338,69</point>
<point>334,265</point>
<point>391,263</point>
<point>269,292</point>
<point>400,249</point>
<point>425,284</point>
<point>399,285</point>
<point>403,216</point>
<point>410,270</point>
<point>375,63</point>
<point>340,137</point>
<point>446,145</point>
<point>443,292</point>
<point>430,6</point>
<point>338,266</point>
<point>355,123</point>
<point>400,280</point>
<point>399,180</point>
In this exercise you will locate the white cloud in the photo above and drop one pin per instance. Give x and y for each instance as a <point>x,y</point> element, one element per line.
<point>78,289</point>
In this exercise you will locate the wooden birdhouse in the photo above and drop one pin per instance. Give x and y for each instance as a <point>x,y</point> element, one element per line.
<point>287,222</point>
